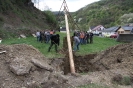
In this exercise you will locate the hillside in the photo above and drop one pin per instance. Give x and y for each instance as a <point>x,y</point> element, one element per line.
<point>105,12</point>
<point>20,16</point>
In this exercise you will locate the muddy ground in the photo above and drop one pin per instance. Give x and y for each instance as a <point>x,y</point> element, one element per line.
<point>23,66</point>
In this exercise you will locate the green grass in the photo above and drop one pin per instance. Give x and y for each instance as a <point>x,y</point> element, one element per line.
<point>126,80</point>
<point>98,45</point>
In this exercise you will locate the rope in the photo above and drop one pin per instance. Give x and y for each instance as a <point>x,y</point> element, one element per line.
<point>72,23</point>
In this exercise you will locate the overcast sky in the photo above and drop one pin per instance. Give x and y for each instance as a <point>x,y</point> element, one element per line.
<point>55,5</point>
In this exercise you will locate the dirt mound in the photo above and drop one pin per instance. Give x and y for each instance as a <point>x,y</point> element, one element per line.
<point>13,64</point>
<point>103,66</point>
<point>23,66</point>
<point>116,57</point>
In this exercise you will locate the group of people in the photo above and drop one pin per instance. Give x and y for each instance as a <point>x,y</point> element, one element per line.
<point>78,38</point>
<point>44,36</point>
<point>82,38</point>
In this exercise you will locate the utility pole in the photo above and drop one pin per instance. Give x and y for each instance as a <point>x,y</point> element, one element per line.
<point>72,67</point>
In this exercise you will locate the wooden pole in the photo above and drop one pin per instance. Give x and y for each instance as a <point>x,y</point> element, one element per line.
<point>72,67</point>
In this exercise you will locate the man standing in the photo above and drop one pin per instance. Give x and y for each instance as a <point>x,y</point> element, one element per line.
<point>91,37</point>
<point>38,35</point>
<point>81,37</point>
<point>55,40</point>
<point>47,34</point>
<point>76,42</point>
<point>88,36</point>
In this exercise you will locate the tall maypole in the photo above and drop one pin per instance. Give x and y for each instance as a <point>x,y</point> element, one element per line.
<point>71,61</point>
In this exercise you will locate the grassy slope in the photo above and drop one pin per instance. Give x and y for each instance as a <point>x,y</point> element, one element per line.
<point>98,45</point>
<point>18,18</point>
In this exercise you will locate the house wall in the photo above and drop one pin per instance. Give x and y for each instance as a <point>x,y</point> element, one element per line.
<point>125,38</point>
<point>127,32</point>
<point>120,31</point>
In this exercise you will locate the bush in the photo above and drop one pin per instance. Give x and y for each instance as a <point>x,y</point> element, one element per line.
<point>118,79</point>
<point>127,18</point>
<point>1,19</point>
<point>50,18</point>
<point>126,80</point>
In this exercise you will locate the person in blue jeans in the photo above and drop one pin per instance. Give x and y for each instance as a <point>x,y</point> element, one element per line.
<point>38,35</point>
<point>76,42</point>
<point>47,34</point>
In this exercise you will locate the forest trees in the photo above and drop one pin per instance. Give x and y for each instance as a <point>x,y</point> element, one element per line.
<point>107,13</point>
<point>50,18</point>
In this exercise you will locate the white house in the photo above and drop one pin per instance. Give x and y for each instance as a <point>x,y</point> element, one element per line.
<point>97,30</point>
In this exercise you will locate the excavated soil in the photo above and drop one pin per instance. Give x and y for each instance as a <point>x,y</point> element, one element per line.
<point>23,66</point>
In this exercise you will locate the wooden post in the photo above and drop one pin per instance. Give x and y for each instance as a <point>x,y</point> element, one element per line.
<point>72,67</point>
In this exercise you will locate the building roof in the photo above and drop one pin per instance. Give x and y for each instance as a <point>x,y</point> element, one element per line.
<point>111,29</point>
<point>126,28</point>
<point>97,28</point>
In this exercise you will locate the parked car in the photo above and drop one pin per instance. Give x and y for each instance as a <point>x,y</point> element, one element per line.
<point>106,35</point>
<point>113,36</point>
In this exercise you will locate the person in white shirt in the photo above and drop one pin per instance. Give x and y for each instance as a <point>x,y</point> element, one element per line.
<point>38,35</point>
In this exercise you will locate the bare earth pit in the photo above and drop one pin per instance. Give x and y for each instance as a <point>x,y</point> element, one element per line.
<point>23,66</point>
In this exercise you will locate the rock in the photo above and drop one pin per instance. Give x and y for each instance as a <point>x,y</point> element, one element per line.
<point>23,87</point>
<point>33,35</point>
<point>45,78</point>
<point>3,51</point>
<point>20,66</point>
<point>41,65</point>
<point>23,36</point>
<point>32,84</point>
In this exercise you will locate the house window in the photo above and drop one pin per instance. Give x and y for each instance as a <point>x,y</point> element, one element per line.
<point>122,32</point>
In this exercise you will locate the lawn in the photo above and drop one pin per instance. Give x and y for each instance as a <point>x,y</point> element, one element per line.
<point>99,44</point>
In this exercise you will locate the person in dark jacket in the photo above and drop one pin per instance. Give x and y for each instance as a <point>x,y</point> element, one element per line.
<point>55,40</point>
<point>41,36</point>
<point>88,37</point>
<point>91,37</point>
